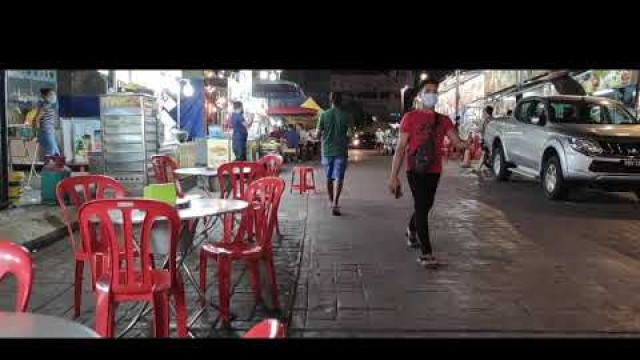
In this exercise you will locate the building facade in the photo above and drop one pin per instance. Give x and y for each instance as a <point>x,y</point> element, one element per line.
<point>315,83</point>
<point>379,92</point>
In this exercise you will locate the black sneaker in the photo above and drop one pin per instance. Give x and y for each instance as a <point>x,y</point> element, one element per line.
<point>428,261</point>
<point>412,240</point>
<point>336,211</point>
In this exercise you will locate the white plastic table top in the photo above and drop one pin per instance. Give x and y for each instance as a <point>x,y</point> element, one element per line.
<point>198,208</point>
<point>206,207</point>
<point>197,171</point>
<point>30,325</point>
<point>201,171</point>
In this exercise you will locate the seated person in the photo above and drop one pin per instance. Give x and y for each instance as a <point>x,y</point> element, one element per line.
<point>292,140</point>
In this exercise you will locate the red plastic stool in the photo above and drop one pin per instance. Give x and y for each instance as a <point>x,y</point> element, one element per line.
<point>303,184</point>
<point>267,329</point>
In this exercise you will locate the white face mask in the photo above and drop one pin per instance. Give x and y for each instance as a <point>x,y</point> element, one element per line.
<point>429,99</point>
<point>51,98</point>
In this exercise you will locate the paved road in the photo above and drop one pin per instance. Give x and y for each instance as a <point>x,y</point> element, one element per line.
<point>517,263</point>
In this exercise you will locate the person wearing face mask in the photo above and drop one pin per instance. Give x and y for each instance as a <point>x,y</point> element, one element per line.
<point>422,129</point>
<point>45,119</point>
<point>240,134</point>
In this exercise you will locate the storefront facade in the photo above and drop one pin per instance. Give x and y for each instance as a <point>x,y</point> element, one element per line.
<point>621,85</point>
<point>471,90</point>
<point>4,156</point>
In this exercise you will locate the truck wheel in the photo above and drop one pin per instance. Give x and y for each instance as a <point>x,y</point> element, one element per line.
<point>498,165</point>
<point>553,182</point>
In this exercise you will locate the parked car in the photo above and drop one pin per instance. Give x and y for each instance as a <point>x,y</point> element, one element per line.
<point>363,140</point>
<point>567,141</point>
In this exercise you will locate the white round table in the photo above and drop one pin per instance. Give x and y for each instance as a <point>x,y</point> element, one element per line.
<point>200,171</point>
<point>205,207</point>
<point>198,208</point>
<point>30,325</point>
<point>206,174</point>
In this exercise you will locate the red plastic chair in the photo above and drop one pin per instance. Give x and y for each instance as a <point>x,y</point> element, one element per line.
<point>272,164</point>
<point>132,277</point>
<point>266,329</point>
<point>91,187</point>
<point>264,196</point>
<point>15,260</point>
<point>163,168</point>
<point>235,187</point>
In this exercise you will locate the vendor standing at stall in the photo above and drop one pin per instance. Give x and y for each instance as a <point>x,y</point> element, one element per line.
<point>45,119</point>
<point>239,126</point>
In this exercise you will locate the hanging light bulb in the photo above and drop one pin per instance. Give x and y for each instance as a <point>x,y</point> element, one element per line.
<point>272,76</point>
<point>423,76</point>
<point>264,75</point>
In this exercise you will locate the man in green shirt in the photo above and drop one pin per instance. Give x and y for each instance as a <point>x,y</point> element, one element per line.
<point>333,127</point>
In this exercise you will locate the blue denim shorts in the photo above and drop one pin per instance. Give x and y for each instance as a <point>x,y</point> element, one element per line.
<point>335,167</point>
<point>48,142</point>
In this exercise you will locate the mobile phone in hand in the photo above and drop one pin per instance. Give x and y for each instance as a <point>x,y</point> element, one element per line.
<point>398,192</point>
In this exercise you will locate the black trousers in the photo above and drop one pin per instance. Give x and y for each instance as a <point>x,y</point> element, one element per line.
<point>423,189</point>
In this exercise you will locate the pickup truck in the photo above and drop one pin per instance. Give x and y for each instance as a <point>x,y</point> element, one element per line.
<point>567,141</point>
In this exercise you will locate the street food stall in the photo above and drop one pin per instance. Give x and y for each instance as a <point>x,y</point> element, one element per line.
<point>299,117</point>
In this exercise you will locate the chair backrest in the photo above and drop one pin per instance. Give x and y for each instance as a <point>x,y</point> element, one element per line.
<point>264,196</point>
<point>266,329</point>
<point>272,164</point>
<point>163,170</point>
<point>133,271</point>
<point>91,187</point>
<point>235,177</point>
<point>15,260</point>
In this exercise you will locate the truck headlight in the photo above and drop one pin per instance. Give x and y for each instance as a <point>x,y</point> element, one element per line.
<point>585,146</point>
<point>356,142</point>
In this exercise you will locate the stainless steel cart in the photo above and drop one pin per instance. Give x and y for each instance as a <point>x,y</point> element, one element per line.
<point>129,138</point>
